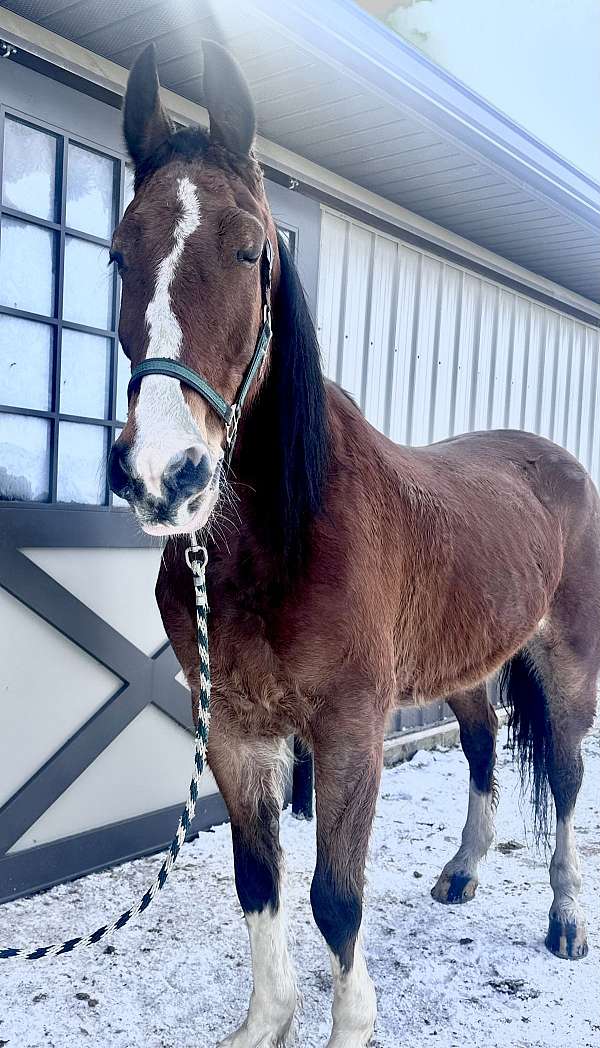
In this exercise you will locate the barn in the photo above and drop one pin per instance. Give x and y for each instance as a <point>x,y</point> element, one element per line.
<point>451,261</point>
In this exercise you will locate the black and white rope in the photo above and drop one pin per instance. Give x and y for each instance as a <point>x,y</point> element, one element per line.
<point>196,557</point>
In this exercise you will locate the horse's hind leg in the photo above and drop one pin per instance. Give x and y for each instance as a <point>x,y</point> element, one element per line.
<point>348,758</point>
<point>249,774</point>
<point>564,689</point>
<point>478,728</point>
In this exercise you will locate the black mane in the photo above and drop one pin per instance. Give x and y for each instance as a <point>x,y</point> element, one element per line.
<point>284,445</point>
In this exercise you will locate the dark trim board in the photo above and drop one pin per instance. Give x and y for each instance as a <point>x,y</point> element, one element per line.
<point>36,869</point>
<point>415,718</point>
<point>41,525</point>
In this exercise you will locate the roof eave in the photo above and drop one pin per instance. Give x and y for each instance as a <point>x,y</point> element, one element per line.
<point>341,33</point>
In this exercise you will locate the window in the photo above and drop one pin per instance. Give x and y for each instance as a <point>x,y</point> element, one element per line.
<point>63,379</point>
<point>290,236</point>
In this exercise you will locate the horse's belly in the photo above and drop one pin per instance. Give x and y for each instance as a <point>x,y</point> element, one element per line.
<point>463,640</point>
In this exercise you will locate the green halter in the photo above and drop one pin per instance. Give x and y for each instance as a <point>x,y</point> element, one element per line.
<point>228,413</point>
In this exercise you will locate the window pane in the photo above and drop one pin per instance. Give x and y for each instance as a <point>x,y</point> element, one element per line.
<point>116,499</point>
<point>90,192</point>
<point>25,363</point>
<point>123,376</point>
<point>84,374</point>
<point>289,236</point>
<point>27,267</point>
<point>81,463</point>
<point>88,284</point>
<point>28,177</point>
<point>128,191</point>
<point>24,458</point>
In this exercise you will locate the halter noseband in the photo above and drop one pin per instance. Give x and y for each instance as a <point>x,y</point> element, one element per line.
<point>228,413</point>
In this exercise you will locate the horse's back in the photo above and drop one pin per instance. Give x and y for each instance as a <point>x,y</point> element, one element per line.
<point>552,472</point>
<point>532,482</point>
<point>500,521</point>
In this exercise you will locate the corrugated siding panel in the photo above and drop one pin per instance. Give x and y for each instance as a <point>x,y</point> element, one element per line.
<point>430,349</point>
<point>505,321</point>
<point>561,395</point>
<point>573,413</point>
<point>485,337</point>
<point>447,343</point>
<point>421,379</point>
<point>330,307</point>
<point>384,304</point>
<point>406,312</point>
<point>359,277</point>
<point>595,399</point>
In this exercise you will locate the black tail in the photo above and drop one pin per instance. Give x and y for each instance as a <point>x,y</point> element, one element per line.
<point>529,734</point>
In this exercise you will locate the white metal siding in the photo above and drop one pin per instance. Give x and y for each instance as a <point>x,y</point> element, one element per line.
<point>429,349</point>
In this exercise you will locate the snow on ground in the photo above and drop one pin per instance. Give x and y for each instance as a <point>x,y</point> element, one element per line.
<point>473,975</point>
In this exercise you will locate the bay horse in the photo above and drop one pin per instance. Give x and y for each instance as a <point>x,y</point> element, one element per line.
<point>359,575</point>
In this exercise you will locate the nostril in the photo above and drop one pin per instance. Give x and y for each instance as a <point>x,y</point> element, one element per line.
<point>188,472</point>
<point>196,453</point>
<point>119,477</point>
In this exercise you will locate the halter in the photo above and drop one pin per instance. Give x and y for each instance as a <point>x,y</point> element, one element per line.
<point>228,413</point>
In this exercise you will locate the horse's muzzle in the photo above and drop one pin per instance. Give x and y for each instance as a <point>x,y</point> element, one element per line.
<point>177,496</point>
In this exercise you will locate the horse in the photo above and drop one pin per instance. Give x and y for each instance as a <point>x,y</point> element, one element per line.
<point>357,575</point>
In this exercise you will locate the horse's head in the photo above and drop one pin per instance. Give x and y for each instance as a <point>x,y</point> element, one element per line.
<point>191,253</point>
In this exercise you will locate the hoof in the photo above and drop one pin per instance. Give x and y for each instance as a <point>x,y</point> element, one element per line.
<point>343,1041</point>
<point>244,1038</point>
<point>454,888</point>
<point>240,1040</point>
<point>567,939</point>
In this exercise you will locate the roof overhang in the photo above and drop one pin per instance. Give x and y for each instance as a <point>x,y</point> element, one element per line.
<point>339,89</point>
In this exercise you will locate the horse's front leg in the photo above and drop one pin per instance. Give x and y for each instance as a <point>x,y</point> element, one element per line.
<point>348,756</point>
<point>250,776</point>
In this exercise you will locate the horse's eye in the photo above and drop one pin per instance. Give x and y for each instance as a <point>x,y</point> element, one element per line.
<point>249,255</point>
<point>119,261</point>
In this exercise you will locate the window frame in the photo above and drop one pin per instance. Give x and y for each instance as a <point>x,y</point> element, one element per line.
<point>111,425</point>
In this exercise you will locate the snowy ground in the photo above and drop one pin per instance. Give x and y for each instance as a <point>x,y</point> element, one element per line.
<point>476,975</point>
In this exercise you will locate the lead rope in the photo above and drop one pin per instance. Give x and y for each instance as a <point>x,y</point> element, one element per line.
<point>196,558</point>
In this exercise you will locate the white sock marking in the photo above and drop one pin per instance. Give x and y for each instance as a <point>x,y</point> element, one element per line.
<point>478,833</point>
<point>273,997</point>
<point>565,872</point>
<point>354,1002</point>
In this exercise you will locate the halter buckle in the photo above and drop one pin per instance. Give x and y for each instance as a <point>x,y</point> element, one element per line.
<point>232,425</point>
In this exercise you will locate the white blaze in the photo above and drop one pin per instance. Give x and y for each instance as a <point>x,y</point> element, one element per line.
<point>163,326</point>
<point>164,423</point>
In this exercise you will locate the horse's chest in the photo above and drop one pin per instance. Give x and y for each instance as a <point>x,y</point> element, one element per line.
<point>250,671</point>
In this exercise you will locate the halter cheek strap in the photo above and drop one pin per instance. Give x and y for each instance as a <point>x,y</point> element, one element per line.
<point>228,413</point>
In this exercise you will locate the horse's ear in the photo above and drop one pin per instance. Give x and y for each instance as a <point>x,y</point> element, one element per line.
<point>228,100</point>
<point>146,125</point>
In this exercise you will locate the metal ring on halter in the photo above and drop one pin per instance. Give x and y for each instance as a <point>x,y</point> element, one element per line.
<point>191,552</point>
